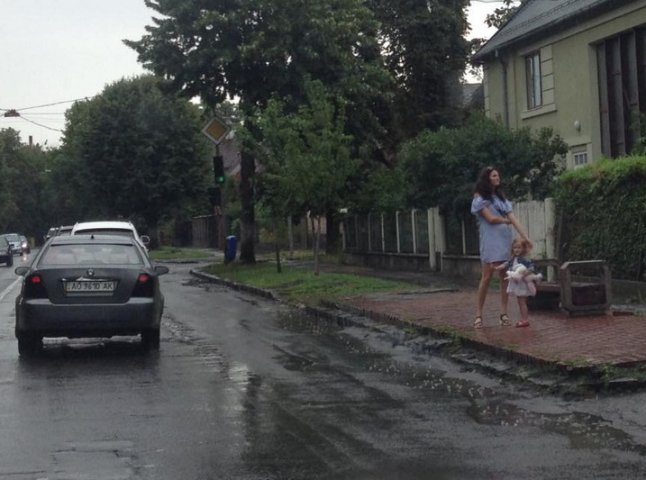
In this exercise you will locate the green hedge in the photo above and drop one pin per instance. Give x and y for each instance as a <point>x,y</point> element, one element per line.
<point>601,215</point>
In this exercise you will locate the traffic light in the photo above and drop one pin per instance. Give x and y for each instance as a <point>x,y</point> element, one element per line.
<point>218,169</point>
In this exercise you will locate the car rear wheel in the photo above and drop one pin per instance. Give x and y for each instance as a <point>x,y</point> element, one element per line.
<point>151,339</point>
<point>29,344</point>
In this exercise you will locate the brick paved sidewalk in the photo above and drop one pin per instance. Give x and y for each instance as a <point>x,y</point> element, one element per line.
<point>616,338</point>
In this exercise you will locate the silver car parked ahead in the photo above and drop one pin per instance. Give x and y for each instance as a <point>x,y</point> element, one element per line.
<point>89,286</point>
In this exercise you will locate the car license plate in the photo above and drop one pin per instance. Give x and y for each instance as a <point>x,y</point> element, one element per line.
<point>91,286</point>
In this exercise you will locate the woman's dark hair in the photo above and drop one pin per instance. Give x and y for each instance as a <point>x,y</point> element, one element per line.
<point>484,188</point>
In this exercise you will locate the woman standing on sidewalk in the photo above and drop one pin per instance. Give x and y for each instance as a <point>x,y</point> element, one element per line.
<point>495,218</point>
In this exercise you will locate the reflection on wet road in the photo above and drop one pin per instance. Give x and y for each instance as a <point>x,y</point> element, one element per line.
<point>246,389</point>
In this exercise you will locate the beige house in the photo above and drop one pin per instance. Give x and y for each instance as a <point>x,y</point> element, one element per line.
<point>577,66</point>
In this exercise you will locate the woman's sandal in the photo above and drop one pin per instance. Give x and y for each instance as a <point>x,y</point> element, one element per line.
<point>522,324</point>
<point>477,323</point>
<point>504,320</point>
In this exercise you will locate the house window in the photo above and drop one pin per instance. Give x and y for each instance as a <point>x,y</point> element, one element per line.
<point>533,75</point>
<point>580,158</point>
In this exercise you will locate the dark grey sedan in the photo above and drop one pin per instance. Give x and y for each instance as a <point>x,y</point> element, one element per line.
<point>89,286</point>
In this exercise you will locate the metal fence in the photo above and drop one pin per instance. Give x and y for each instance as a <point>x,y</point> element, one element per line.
<point>427,232</point>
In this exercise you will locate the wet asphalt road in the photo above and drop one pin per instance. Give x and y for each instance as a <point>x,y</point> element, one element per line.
<point>246,389</point>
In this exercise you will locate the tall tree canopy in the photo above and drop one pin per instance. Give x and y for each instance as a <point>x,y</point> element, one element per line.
<point>24,172</point>
<point>134,151</point>
<point>425,49</point>
<point>254,49</point>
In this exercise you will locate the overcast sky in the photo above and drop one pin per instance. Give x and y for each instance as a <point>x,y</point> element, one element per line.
<point>54,51</point>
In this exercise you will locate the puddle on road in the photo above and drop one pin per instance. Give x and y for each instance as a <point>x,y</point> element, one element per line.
<point>491,404</point>
<point>582,429</point>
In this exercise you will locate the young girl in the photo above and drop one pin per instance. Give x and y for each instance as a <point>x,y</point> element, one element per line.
<point>521,273</point>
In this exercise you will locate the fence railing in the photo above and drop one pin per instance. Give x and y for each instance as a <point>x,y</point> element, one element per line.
<point>428,233</point>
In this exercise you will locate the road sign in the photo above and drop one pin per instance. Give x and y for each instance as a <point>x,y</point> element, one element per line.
<point>216,130</point>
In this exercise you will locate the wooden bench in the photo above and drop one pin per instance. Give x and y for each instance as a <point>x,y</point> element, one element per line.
<point>577,287</point>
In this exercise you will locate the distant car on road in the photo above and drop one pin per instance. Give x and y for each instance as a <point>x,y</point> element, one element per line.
<point>6,255</point>
<point>89,286</point>
<point>111,227</point>
<point>15,242</point>
<point>26,248</point>
<point>64,230</point>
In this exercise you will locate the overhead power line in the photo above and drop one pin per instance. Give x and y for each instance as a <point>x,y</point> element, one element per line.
<point>40,124</point>
<point>45,105</point>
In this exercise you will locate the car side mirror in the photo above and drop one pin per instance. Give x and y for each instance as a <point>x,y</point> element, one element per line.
<point>161,269</point>
<point>22,271</point>
<point>145,239</point>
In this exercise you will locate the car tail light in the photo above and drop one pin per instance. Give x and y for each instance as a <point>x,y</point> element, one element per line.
<point>145,286</point>
<point>34,287</point>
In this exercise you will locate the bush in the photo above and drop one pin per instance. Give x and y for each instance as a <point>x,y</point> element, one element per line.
<point>601,215</point>
<point>441,167</point>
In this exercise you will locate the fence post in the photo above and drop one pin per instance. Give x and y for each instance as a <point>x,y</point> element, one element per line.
<point>383,237</point>
<point>397,231</point>
<point>370,231</point>
<point>440,235</point>
<point>356,232</point>
<point>464,237</point>
<point>550,228</point>
<point>413,229</point>
<point>432,259</point>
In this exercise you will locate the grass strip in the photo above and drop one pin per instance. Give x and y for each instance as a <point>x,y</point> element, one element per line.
<point>302,285</point>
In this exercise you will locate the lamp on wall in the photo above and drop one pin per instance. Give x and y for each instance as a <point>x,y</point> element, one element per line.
<point>577,125</point>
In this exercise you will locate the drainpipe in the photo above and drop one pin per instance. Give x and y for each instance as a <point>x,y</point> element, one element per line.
<point>505,90</point>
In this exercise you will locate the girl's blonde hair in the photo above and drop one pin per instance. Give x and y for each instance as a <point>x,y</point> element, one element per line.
<point>524,245</point>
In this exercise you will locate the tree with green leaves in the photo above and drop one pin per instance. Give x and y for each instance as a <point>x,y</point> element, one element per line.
<point>503,13</point>
<point>136,152</point>
<point>253,50</point>
<point>441,167</point>
<point>425,50</point>
<point>24,176</point>
<point>306,157</point>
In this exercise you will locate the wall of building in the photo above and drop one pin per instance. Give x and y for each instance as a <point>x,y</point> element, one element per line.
<point>570,83</point>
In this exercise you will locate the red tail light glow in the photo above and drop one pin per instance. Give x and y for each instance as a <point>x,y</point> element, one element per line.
<point>145,286</point>
<point>34,287</point>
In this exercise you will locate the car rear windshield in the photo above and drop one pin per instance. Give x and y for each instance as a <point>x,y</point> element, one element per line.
<point>91,254</point>
<point>13,237</point>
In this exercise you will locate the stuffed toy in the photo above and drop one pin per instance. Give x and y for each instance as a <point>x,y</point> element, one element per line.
<point>520,272</point>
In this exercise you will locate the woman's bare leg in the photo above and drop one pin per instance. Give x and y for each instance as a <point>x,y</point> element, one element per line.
<point>483,287</point>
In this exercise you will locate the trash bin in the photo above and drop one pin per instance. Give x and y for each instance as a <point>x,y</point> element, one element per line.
<point>230,249</point>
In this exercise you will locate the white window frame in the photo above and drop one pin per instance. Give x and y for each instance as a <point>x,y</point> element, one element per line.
<point>580,158</point>
<point>534,81</point>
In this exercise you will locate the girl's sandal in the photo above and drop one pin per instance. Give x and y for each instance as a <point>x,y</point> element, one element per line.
<point>504,320</point>
<point>477,323</point>
<point>522,324</point>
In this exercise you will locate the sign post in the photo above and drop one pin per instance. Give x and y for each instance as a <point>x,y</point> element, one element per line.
<point>216,130</point>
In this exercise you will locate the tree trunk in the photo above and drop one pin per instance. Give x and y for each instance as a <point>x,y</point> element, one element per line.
<point>247,215</point>
<point>290,236</point>
<point>332,245</point>
<point>279,268</point>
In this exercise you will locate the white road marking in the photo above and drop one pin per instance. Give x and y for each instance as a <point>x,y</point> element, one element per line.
<point>6,291</point>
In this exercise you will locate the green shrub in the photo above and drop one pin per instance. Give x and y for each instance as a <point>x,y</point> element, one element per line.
<point>601,214</point>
